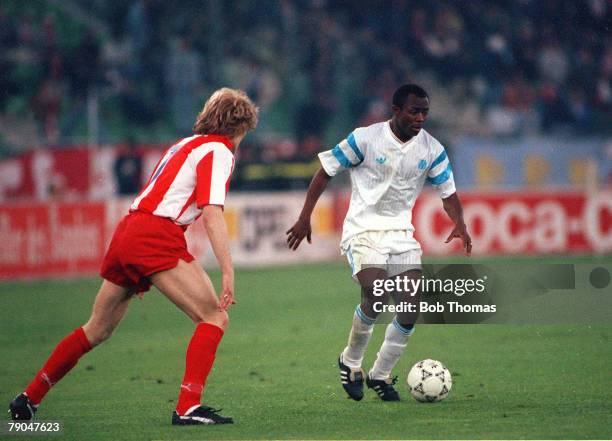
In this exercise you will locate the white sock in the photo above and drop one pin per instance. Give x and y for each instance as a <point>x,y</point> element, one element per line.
<point>352,356</point>
<point>396,339</point>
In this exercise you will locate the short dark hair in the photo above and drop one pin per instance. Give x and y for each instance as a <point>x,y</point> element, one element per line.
<point>401,94</point>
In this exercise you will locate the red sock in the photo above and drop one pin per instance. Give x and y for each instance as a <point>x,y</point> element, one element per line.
<point>199,360</point>
<point>62,359</point>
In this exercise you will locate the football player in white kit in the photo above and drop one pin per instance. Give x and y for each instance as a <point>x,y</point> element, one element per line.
<point>388,164</point>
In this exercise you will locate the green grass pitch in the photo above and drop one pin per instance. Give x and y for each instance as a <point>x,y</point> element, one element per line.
<point>276,370</point>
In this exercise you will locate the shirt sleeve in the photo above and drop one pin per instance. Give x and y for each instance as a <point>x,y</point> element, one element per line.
<point>440,173</point>
<point>213,174</point>
<point>347,154</point>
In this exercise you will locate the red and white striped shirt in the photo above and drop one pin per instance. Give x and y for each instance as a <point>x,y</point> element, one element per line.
<point>193,173</point>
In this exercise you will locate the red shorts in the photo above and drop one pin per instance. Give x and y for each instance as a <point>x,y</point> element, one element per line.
<point>143,244</point>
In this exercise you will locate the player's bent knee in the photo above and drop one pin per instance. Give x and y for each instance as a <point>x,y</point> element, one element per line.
<point>97,335</point>
<point>221,319</point>
<point>216,317</point>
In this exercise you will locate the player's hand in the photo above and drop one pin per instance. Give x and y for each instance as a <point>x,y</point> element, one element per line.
<point>227,292</point>
<point>297,232</point>
<point>460,231</point>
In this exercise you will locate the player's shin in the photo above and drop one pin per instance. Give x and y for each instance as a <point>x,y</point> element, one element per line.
<point>63,358</point>
<point>360,335</point>
<point>396,339</point>
<point>199,360</point>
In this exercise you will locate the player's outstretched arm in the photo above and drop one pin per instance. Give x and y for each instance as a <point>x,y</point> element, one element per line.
<point>216,228</point>
<point>452,206</point>
<point>302,227</point>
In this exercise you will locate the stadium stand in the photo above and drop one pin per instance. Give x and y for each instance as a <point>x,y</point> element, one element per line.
<point>99,72</point>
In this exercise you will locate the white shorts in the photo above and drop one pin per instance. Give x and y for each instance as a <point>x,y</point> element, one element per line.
<point>395,251</point>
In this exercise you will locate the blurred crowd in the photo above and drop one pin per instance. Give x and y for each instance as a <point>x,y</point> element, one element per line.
<point>316,68</point>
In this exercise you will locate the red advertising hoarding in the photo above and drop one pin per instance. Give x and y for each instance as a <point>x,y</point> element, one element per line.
<point>515,222</point>
<point>521,222</point>
<point>38,240</point>
<point>65,239</point>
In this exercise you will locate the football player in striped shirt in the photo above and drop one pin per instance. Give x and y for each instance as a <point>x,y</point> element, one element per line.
<point>388,164</point>
<point>148,247</point>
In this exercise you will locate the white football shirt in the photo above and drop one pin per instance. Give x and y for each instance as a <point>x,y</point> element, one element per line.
<point>386,177</point>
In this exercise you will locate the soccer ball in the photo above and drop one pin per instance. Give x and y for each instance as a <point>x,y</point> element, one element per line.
<point>429,381</point>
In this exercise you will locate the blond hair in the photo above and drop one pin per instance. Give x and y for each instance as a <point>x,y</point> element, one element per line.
<point>228,112</point>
